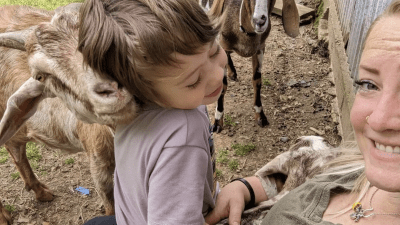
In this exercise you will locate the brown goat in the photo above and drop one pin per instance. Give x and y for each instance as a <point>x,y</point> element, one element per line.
<point>245,25</point>
<point>304,160</point>
<point>46,50</point>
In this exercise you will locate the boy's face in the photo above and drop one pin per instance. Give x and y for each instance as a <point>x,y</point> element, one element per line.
<point>196,80</point>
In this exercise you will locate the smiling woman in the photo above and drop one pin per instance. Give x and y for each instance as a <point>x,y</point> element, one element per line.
<point>362,185</point>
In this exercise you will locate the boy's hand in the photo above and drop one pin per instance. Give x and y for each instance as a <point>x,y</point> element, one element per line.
<point>230,203</point>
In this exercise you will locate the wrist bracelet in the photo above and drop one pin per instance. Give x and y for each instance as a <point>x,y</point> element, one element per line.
<point>252,196</point>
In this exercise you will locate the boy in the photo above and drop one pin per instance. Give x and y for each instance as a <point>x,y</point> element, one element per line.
<point>165,53</point>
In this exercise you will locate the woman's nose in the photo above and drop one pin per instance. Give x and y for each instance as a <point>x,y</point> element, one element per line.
<point>386,115</point>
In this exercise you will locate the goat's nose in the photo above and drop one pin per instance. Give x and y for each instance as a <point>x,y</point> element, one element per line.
<point>260,21</point>
<point>106,89</point>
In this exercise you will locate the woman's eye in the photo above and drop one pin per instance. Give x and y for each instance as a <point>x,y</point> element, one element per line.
<point>365,85</point>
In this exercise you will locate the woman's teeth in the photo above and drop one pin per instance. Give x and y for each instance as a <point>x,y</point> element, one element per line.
<point>389,149</point>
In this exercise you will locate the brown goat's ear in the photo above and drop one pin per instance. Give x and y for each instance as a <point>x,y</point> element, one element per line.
<point>290,17</point>
<point>16,39</point>
<point>20,107</point>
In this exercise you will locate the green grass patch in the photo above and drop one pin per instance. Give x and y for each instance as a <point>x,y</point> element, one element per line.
<point>242,150</point>
<point>44,4</point>
<point>222,157</point>
<point>233,164</point>
<point>229,121</point>
<point>69,161</point>
<point>3,160</point>
<point>32,152</point>
<point>15,175</point>
<point>10,208</point>
<point>3,155</point>
<point>218,173</point>
<point>320,13</point>
<point>34,165</point>
<point>3,152</point>
<point>266,82</point>
<point>43,173</point>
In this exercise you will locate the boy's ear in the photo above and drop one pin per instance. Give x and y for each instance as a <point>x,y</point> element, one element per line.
<point>20,107</point>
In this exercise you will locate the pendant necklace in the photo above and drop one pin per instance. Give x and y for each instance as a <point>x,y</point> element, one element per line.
<point>359,212</point>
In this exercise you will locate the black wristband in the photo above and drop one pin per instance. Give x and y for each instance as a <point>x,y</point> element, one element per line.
<point>252,196</point>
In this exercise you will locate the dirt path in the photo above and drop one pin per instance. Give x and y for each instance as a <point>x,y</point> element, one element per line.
<point>297,95</point>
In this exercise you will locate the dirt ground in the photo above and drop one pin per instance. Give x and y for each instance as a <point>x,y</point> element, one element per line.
<point>297,96</point>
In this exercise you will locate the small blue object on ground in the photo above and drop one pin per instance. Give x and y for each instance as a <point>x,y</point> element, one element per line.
<point>82,190</point>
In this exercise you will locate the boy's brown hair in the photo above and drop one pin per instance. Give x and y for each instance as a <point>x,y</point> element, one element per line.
<point>126,39</point>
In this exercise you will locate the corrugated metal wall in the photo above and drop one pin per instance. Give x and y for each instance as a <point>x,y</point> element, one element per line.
<point>355,18</point>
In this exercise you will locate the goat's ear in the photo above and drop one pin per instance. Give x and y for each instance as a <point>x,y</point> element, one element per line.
<point>20,107</point>
<point>16,39</point>
<point>280,164</point>
<point>290,17</point>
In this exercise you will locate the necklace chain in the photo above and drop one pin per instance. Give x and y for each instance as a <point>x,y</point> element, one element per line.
<point>359,212</point>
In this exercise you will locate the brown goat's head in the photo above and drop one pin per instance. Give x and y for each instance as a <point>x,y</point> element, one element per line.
<point>258,13</point>
<point>57,71</point>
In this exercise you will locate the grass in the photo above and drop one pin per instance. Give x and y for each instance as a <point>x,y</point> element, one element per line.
<point>3,155</point>
<point>32,152</point>
<point>233,164</point>
<point>69,161</point>
<point>320,13</point>
<point>44,4</point>
<point>242,150</point>
<point>15,175</point>
<point>229,121</point>
<point>222,157</point>
<point>266,82</point>
<point>10,208</point>
<point>218,173</point>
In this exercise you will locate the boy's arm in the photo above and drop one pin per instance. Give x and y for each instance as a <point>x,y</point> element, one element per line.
<point>232,199</point>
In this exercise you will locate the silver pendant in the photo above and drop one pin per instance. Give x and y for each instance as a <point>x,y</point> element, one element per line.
<point>359,212</point>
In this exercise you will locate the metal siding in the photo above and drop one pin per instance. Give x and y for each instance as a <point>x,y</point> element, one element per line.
<point>355,18</point>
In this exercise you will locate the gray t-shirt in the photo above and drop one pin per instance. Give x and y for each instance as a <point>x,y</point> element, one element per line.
<point>164,171</point>
<point>306,204</point>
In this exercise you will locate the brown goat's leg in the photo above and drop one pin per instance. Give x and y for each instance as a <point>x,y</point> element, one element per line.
<point>257,66</point>
<point>231,68</point>
<point>219,110</point>
<point>18,154</point>
<point>5,217</point>
<point>102,168</point>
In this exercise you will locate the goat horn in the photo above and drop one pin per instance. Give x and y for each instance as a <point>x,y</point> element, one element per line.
<point>16,39</point>
<point>290,17</point>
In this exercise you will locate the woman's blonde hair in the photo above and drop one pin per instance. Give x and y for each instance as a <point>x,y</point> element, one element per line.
<point>127,39</point>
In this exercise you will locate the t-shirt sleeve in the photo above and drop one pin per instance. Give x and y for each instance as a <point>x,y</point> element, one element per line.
<point>176,186</point>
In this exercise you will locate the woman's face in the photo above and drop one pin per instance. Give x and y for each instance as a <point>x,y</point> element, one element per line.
<point>378,97</point>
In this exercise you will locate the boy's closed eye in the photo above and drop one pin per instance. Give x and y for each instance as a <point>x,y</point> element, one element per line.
<point>194,85</point>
